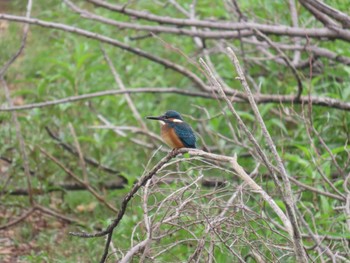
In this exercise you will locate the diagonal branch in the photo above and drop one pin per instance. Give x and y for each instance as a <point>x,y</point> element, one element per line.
<point>287,190</point>
<point>3,70</point>
<point>100,198</point>
<point>88,160</point>
<point>104,39</point>
<point>341,17</point>
<point>193,152</point>
<point>265,28</point>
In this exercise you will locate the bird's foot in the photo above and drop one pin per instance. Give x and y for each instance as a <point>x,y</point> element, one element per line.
<point>174,151</point>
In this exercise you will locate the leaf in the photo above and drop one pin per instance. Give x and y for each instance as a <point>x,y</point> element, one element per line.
<point>305,150</point>
<point>246,115</point>
<point>186,155</point>
<point>280,124</point>
<point>336,150</point>
<point>326,208</point>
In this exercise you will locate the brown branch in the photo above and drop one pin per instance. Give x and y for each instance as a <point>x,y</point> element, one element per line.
<point>288,63</point>
<point>315,190</point>
<point>19,219</point>
<point>128,197</point>
<point>19,136</point>
<point>121,86</point>
<point>100,198</point>
<point>341,17</point>
<point>265,28</point>
<point>317,51</point>
<point>287,190</point>
<point>239,97</point>
<point>88,160</point>
<point>320,16</point>
<point>80,153</point>
<point>295,23</point>
<point>59,215</point>
<point>193,152</point>
<point>166,63</point>
<point>109,230</point>
<point>43,210</point>
<point>23,42</point>
<point>159,29</point>
<point>110,185</point>
<point>245,28</point>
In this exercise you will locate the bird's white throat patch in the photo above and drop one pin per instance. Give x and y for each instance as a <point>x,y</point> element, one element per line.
<point>172,120</point>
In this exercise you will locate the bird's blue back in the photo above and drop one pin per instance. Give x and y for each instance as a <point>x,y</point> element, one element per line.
<point>185,133</point>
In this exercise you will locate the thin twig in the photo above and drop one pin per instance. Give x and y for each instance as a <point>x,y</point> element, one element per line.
<point>88,160</point>
<point>19,135</point>
<point>287,190</point>
<point>104,39</point>
<point>193,152</point>
<point>80,153</point>
<point>265,28</point>
<point>288,63</point>
<point>295,23</point>
<point>76,178</point>
<point>19,219</point>
<point>23,42</point>
<point>121,86</point>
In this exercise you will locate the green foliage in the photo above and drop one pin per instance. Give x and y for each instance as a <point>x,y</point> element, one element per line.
<point>57,65</point>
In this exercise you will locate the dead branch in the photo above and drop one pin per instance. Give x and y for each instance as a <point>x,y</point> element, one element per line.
<point>266,29</point>
<point>286,190</point>
<point>110,185</point>
<point>104,39</point>
<point>22,147</point>
<point>239,97</point>
<point>221,158</point>
<point>88,160</point>
<point>78,180</point>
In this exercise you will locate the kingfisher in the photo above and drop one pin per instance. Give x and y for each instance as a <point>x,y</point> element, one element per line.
<point>175,132</point>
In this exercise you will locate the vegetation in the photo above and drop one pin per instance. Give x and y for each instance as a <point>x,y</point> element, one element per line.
<point>69,166</point>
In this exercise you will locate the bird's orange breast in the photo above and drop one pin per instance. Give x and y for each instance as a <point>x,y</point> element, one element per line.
<point>169,136</point>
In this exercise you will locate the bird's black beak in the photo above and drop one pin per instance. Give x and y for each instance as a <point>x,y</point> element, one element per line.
<point>160,118</point>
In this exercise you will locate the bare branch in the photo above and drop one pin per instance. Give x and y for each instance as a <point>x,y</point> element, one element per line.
<point>121,86</point>
<point>19,219</point>
<point>77,179</point>
<point>23,42</point>
<point>22,147</point>
<point>80,153</point>
<point>319,15</point>
<point>288,63</point>
<point>295,23</point>
<point>266,29</point>
<point>88,160</point>
<point>110,41</point>
<point>239,97</point>
<point>287,190</point>
<point>343,18</point>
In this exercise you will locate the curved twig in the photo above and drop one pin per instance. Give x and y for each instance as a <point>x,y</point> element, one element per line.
<point>102,38</point>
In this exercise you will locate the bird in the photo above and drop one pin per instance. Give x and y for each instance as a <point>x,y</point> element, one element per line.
<point>175,132</point>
